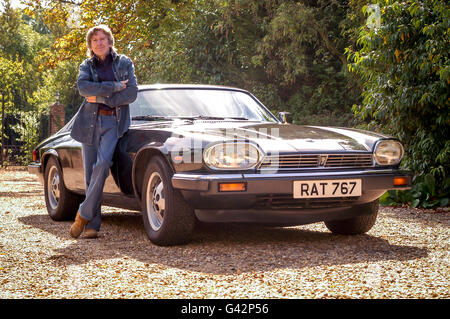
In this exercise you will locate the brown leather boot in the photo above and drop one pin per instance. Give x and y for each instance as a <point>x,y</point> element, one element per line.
<point>78,227</point>
<point>90,233</point>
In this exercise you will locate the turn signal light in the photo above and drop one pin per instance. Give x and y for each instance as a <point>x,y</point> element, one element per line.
<point>232,187</point>
<point>400,181</point>
<point>34,156</point>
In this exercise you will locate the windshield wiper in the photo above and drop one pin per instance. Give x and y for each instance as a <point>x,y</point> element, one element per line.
<point>150,118</point>
<point>238,118</point>
<point>171,118</point>
<point>207,117</point>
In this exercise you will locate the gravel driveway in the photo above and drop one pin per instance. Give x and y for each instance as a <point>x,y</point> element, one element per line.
<point>405,255</point>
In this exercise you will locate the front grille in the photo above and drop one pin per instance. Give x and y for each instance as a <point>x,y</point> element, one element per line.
<point>349,160</point>
<point>271,201</point>
<point>300,161</point>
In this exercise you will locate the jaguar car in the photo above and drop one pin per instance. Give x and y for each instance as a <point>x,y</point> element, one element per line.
<point>207,154</point>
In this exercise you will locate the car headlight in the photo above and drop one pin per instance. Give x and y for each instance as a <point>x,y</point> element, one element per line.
<point>388,152</point>
<point>232,155</point>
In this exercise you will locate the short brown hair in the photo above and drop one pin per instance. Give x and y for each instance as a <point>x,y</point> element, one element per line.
<point>103,28</point>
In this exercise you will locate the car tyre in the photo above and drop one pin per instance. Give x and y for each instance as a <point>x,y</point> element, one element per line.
<point>168,219</point>
<point>61,203</point>
<point>356,225</point>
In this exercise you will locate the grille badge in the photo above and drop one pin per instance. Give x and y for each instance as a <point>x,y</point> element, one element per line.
<point>322,160</point>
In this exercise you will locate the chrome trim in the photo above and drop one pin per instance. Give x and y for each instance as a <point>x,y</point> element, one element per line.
<point>314,161</point>
<point>387,139</point>
<point>313,174</point>
<point>35,168</point>
<point>209,177</point>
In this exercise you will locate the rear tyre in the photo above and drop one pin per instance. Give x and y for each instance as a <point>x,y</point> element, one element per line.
<point>168,219</point>
<point>356,225</point>
<point>61,203</point>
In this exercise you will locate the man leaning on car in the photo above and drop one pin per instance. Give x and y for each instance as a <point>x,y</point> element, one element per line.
<point>107,81</point>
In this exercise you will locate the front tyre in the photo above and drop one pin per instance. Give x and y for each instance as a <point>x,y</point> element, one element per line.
<point>356,225</point>
<point>61,203</point>
<point>168,219</point>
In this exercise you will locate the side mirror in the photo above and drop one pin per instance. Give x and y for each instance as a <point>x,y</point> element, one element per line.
<point>285,117</point>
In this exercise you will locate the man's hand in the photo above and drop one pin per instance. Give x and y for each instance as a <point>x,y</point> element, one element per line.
<point>120,85</point>
<point>124,84</point>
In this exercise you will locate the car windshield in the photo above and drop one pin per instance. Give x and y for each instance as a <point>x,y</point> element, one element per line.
<point>198,104</point>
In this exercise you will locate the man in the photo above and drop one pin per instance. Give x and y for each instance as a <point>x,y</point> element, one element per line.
<point>107,81</point>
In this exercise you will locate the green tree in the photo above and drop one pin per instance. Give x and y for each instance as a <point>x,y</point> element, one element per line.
<point>20,43</point>
<point>289,53</point>
<point>28,130</point>
<point>302,53</point>
<point>11,76</point>
<point>404,65</point>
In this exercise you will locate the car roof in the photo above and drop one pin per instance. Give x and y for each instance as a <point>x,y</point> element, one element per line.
<point>162,86</point>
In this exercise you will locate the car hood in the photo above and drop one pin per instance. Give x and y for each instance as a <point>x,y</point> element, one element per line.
<point>275,137</point>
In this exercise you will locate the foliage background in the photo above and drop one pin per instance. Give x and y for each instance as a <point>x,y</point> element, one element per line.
<point>404,65</point>
<point>316,59</point>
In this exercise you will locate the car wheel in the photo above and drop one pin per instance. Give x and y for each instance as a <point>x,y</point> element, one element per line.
<point>61,203</point>
<point>168,219</point>
<point>356,225</point>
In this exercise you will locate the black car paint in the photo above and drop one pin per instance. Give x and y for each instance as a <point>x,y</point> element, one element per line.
<point>167,138</point>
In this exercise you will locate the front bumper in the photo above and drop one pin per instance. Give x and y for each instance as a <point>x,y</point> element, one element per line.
<point>268,198</point>
<point>278,183</point>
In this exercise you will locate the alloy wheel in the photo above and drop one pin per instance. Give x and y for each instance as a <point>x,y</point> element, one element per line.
<point>53,187</point>
<point>155,199</point>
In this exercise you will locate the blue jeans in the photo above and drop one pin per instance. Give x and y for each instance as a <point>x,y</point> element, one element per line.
<point>97,159</point>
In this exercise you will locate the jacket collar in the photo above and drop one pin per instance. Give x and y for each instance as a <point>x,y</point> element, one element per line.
<point>113,53</point>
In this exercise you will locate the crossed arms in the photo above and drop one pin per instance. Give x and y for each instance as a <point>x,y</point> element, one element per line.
<point>111,93</point>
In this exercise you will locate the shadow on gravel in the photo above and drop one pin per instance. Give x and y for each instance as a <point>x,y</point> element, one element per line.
<point>221,248</point>
<point>21,194</point>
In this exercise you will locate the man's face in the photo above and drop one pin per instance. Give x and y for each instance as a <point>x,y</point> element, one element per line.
<point>100,44</point>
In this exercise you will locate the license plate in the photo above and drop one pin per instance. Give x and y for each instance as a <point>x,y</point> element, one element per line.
<point>327,188</point>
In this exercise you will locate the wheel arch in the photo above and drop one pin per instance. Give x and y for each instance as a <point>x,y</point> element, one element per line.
<point>141,159</point>
<point>45,157</point>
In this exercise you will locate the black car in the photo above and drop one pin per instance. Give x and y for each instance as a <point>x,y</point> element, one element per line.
<point>217,154</point>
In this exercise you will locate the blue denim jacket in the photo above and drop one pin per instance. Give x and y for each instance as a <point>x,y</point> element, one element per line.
<point>107,92</point>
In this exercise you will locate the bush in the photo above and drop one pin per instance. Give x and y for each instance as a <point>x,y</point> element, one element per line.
<point>424,192</point>
<point>28,130</point>
<point>405,68</point>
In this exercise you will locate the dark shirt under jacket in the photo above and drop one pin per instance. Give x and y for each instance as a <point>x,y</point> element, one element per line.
<point>105,73</point>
